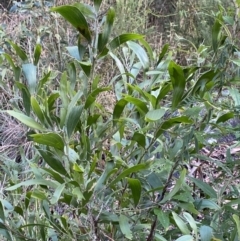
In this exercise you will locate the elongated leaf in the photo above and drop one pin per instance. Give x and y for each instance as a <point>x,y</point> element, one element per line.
<point>44,182</point>
<point>225,117</point>
<point>54,163</point>
<point>17,70</point>
<point>97,4</point>
<point>25,120</point>
<point>236,219</point>
<point>128,171</point>
<point>162,54</point>
<point>86,67</point>
<point>104,37</point>
<point>171,122</point>
<point>186,238</point>
<point>74,16</point>
<point>118,109</point>
<point>163,218</point>
<point>92,96</point>
<point>37,53</point>
<point>206,188</point>
<point>154,115</point>
<point>206,203</point>
<point>136,189</point>
<point>236,96</point>
<point>2,214</point>
<point>180,223</point>
<point>206,233</point>
<point>125,227</point>
<point>216,30</point>
<point>72,73</point>
<point>73,51</point>
<point>73,119</point>
<point>19,51</point>
<point>139,138</point>
<point>37,110</point>
<point>140,53</point>
<point>191,222</point>
<point>30,73</point>
<point>87,10</point>
<point>57,193</point>
<point>141,106</point>
<point>119,40</point>
<point>178,82</point>
<point>176,187</point>
<point>49,139</point>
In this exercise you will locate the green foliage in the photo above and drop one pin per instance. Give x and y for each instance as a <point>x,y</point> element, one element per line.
<point>147,183</point>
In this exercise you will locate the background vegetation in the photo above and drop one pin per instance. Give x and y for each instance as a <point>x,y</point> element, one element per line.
<point>119,120</point>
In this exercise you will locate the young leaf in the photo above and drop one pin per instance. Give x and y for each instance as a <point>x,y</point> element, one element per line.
<point>118,109</point>
<point>30,73</point>
<point>225,117</point>
<point>37,110</point>
<point>191,222</point>
<point>74,16</point>
<point>19,51</point>
<point>25,120</point>
<point>37,53</point>
<point>216,30</point>
<point>162,54</point>
<point>236,219</point>
<point>135,187</point>
<point>178,83</point>
<point>49,139</point>
<point>125,227</point>
<point>97,4</point>
<point>141,106</point>
<point>104,37</point>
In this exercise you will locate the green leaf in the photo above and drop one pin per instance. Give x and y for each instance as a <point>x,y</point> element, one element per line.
<point>92,96</point>
<point>206,203</point>
<point>176,187</point>
<point>206,188</point>
<point>154,115</point>
<point>87,10</point>
<point>104,37</point>
<point>49,139</point>
<point>186,238</point>
<point>73,51</point>
<point>164,91</point>
<point>108,168</point>
<point>72,73</point>
<point>86,67</point>
<point>236,96</point>
<point>216,31</point>
<point>97,4</point>
<point>136,188</point>
<point>37,110</point>
<point>37,53</point>
<point>54,163</point>
<point>178,83</point>
<point>2,214</point>
<point>191,222</point>
<point>163,218</point>
<point>139,138</point>
<point>25,120</point>
<point>118,109</point>
<point>236,219</point>
<point>171,122</point>
<point>57,194</point>
<point>128,171</point>
<point>141,54</point>
<point>141,106</point>
<point>19,51</point>
<point>30,73</point>
<point>225,117</point>
<point>119,40</point>
<point>74,16</point>
<point>17,70</point>
<point>73,119</point>
<point>206,233</point>
<point>162,54</point>
<point>180,223</point>
<point>33,182</point>
<point>125,227</point>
